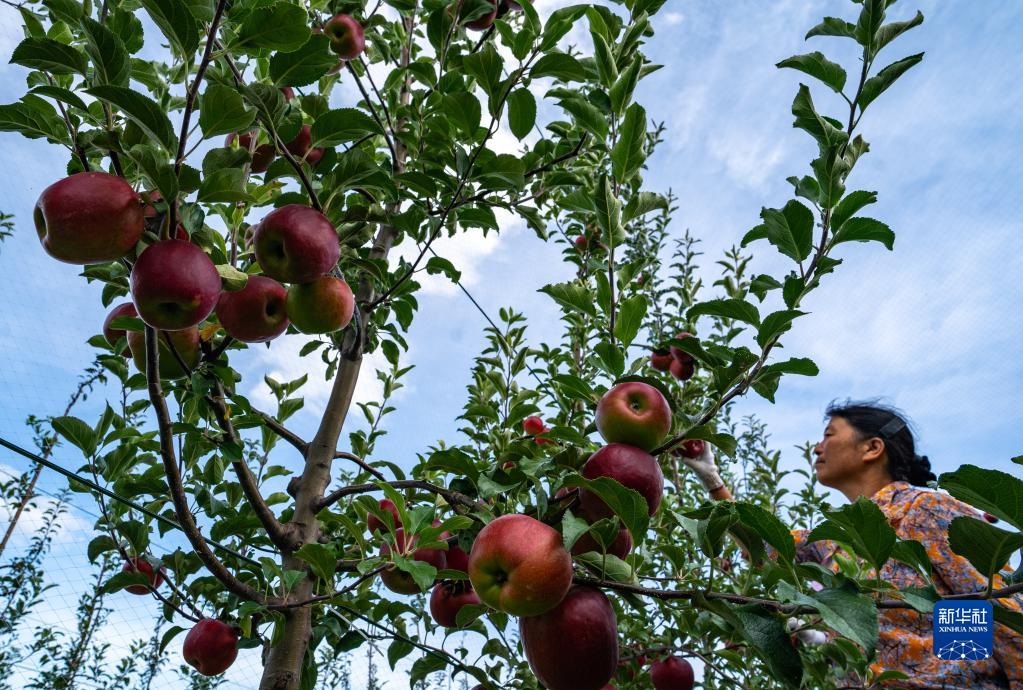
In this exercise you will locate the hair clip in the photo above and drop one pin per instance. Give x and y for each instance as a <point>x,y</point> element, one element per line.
<point>894,426</point>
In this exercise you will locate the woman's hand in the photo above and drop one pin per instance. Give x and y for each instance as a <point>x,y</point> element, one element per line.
<point>705,468</point>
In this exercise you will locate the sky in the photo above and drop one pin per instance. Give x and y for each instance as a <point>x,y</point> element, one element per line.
<point>933,327</point>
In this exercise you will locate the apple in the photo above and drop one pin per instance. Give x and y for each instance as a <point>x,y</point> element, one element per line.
<point>256,313</point>
<point>485,21</point>
<point>141,565</point>
<point>672,673</point>
<point>533,425</point>
<point>296,244</point>
<point>375,524</point>
<point>520,566</point>
<point>620,547</point>
<point>314,156</point>
<point>506,6</point>
<point>581,242</point>
<point>629,466</point>
<point>262,157</point>
<point>990,518</point>
<point>322,306</point>
<point>661,360</point>
<point>690,448</point>
<point>398,580</point>
<point>299,146</point>
<point>287,92</point>
<point>679,354</point>
<point>628,669</point>
<point>635,413</point>
<point>457,559</point>
<point>114,334</point>
<point>683,371</point>
<point>89,218</point>
<point>575,645</point>
<point>174,285</point>
<point>447,600</point>
<point>346,36</point>
<point>211,646</point>
<point>186,342</point>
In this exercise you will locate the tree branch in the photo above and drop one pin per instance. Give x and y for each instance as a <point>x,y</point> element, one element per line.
<point>452,497</point>
<point>361,463</point>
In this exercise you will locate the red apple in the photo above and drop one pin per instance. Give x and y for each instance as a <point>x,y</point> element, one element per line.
<point>300,144</point>
<point>506,6</point>
<point>690,448</point>
<point>323,306</point>
<point>672,674</point>
<point>314,156</point>
<point>485,21</point>
<point>520,566</point>
<point>211,646</point>
<point>256,313</point>
<point>89,218</point>
<point>629,466</point>
<point>683,371</point>
<point>287,92</point>
<point>533,425</point>
<point>186,342</point>
<point>398,580</point>
<point>575,645</point>
<point>346,36</point>
<point>375,524</point>
<point>296,244</point>
<point>661,360</point>
<point>262,157</point>
<point>620,547</point>
<point>581,242</point>
<point>114,334</point>
<point>457,559</point>
<point>679,354</point>
<point>635,413</point>
<point>174,285</point>
<point>141,565</point>
<point>447,600</point>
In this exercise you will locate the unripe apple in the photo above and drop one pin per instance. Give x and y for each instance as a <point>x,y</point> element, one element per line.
<point>174,285</point>
<point>256,313</point>
<point>141,565</point>
<point>678,353</point>
<point>635,413</point>
<point>672,673</point>
<point>620,547</point>
<point>485,21</point>
<point>186,342</point>
<point>520,566</point>
<point>323,306</point>
<point>398,580</point>
<point>448,598</point>
<point>211,647</point>
<point>262,157</point>
<point>575,645</point>
<point>375,524</point>
<point>532,425</point>
<point>300,144</point>
<point>346,36</point>
<point>296,244</point>
<point>683,371</point>
<point>631,467</point>
<point>690,448</point>
<point>661,360</point>
<point>114,334</point>
<point>89,218</point>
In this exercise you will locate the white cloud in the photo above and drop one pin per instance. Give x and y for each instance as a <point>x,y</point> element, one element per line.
<point>673,18</point>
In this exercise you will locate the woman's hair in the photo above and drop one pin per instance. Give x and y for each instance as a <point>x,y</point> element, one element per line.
<point>871,419</point>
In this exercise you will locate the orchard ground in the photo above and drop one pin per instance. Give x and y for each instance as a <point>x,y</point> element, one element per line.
<point>934,326</point>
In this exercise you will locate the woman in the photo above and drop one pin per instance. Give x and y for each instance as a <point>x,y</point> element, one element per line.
<point>868,451</point>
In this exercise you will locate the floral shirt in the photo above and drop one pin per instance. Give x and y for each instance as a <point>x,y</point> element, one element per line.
<point>904,642</point>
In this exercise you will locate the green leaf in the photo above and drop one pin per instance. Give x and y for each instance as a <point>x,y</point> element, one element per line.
<point>790,229</point>
<point>587,116</point>
<point>485,67</point>
<point>142,110</point>
<point>425,665</point>
<point>726,309</point>
<point>560,66</point>
<point>50,56</point>
<point>305,65</point>
<point>769,527</point>
<point>796,365</point>
<point>424,574</point>
<point>223,111</point>
<point>985,546</point>
<point>109,56</point>
<point>865,230</point>
<point>871,17</point>
<point>321,559</point>
<point>227,185</point>
<point>844,609</point>
<point>609,566</point>
<point>176,22</point>
<point>609,211</point>
<point>810,121</point>
<point>281,26</point>
<point>572,528</point>
<point>398,650</point>
<point>629,152</point>
<point>819,67</point>
<point>879,83</point>
<point>77,432</point>
<point>889,32</point>
<point>913,553</point>
<point>521,112</point>
<point>631,311</point>
<point>992,491</point>
<point>775,324</point>
<point>124,579</point>
<point>863,526</point>
<point>642,204</point>
<point>342,126</point>
<point>1008,618</point>
<point>100,545</point>
<point>849,205</point>
<point>610,358</point>
<point>438,264</point>
<point>833,26</point>
<point>137,534</point>
<point>34,118</point>
<point>233,279</point>
<point>628,504</point>
<point>621,92</point>
<point>463,109</point>
<point>58,93</point>
<point>768,636</point>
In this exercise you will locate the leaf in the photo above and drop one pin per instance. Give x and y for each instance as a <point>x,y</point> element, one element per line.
<point>124,579</point>
<point>871,17</point>
<point>1008,618</point>
<point>32,120</point>
<point>642,204</point>
<point>610,358</point>
<point>233,279</point>
<point>109,56</point>
<point>485,67</point>
<point>587,116</point>
<point>305,65</point>
<point>398,650</point>
<point>808,119</point>
<point>849,205</point>
<point>832,26</point>
<point>629,152</point>
<point>560,66</point>
<point>77,432</point>
<point>227,185</point>
<point>438,264</point>
<point>630,317</point>
<point>863,526</point>
<point>341,126</point>
<point>572,528</point>
<point>628,504</point>
<point>223,111</point>
<point>726,309</point>
<point>321,559</point>
<point>911,552</point>
<point>281,26</point>
<point>463,109</point>
<point>621,92</point>
<point>775,324</point>
<point>423,573</point>
<point>50,56</point>
<point>865,230</point>
<point>142,110</point>
<point>521,112</point>
<point>100,545</point>
<point>879,83</point>
<point>844,609</point>
<point>707,432</point>
<point>986,547</point>
<point>58,93</point>
<point>176,22</point>
<point>819,67</point>
<point>609,210</point>
<point>992,491</point>
<point>790,229</point>
<point>766,633</point>
<point>762,284</point>
<point>770,527</point>
<point>889,32</point>
<point>796,365</point>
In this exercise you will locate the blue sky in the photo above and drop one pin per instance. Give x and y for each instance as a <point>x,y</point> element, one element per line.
<point>934,327</point>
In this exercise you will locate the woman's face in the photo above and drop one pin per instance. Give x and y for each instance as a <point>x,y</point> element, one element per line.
<point>840,454</point>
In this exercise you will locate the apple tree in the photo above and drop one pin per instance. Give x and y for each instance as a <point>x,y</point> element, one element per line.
<point>527,528</point>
